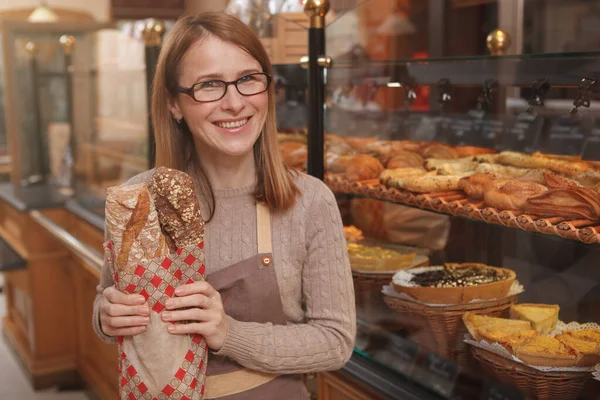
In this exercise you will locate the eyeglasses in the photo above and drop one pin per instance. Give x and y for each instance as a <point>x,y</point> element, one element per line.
<point>247,85</point>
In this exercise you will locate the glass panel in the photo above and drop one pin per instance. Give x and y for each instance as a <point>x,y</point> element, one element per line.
<point>411,76</point>
<point>113,112</point>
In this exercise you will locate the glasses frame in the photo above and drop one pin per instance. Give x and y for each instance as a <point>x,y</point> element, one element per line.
<point>190,90</point>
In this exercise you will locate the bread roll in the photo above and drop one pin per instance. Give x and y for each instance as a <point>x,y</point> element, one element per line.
<point>405,159</point>
<point>438,150</point>
<point>177,205</point>
<point>470,151</point>
<point>476,185</point>
<point>294,154</point>
<point>363,167</point>
<point>132,226</point>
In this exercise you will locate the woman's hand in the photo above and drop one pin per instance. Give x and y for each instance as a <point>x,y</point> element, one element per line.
<point>204,314</point>
<point>123,314</point>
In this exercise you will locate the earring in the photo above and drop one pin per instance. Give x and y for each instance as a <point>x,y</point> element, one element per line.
<point>178,121</point>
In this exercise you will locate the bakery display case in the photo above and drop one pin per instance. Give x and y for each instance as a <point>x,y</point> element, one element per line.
<point>467,177</point>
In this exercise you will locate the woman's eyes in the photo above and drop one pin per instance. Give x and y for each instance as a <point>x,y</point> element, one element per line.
<point>209,84</point>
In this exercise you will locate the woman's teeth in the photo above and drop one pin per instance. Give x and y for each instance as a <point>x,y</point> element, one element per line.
<point>231,125</point>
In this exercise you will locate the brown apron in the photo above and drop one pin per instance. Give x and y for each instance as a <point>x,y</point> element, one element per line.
<point>250,293</point>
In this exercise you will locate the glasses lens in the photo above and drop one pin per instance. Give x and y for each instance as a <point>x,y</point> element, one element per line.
<point>252,84</point>
<point>209,90</point>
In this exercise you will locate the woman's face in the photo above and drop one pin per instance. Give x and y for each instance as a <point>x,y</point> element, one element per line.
<point>228,126</point>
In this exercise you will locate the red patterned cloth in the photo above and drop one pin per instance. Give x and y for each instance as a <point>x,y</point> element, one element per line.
<point>157,364</point>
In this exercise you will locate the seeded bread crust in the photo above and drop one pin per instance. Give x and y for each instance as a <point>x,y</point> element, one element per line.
<point>177,206</point>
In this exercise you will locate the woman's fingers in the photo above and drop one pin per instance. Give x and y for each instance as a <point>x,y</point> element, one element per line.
<point>114,296</point>
<point>192,314</point>
<point>202,328</point>
<point>118,310</point>
<point>202,287</point>
<point>124,322</point>
<point>194,300</point>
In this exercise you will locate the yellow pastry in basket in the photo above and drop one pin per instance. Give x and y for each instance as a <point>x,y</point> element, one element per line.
<point>509,340</point>
<point>477,325</point>
<point>546,351</point>
<point>375,258</point>
<point>591,335</point>
<point>543,317</point>
<point>590,351</point>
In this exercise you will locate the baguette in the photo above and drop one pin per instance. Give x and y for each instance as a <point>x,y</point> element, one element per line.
<point>426,183</point>
<point>526,161</point>
<point>177,205</point>
<point>133,227</point>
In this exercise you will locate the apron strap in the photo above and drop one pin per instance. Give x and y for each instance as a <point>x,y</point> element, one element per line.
<point>263,228</point>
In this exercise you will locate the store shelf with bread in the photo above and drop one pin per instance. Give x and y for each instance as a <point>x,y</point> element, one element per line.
<point>468,185</point>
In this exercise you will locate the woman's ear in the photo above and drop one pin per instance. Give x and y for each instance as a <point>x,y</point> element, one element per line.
<point>175,110</point>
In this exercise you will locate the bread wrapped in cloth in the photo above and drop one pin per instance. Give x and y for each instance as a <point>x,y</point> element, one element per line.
<point>155,363</point>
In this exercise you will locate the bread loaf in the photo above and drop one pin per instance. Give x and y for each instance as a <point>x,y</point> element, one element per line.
<point>512,194</point>
<point>177,205</point>
<point>133,227</point>
<point>363,167</point>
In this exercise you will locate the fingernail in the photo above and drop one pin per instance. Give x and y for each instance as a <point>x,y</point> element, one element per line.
<point>179,290</point>
<point>166,316</point>
<point>140,300</point>
<point>171,328</point>
<point>146,320</point>
<point>169,303</point>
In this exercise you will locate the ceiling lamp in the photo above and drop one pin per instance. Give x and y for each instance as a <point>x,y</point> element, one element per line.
<point>42,14</point>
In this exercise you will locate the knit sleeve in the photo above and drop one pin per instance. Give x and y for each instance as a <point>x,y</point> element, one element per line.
<point>106,278</point>
<point>325,340</point>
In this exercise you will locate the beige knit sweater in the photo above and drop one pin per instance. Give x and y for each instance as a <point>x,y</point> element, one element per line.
<point>313,273</point>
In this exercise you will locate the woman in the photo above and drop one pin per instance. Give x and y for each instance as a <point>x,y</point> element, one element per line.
<point>274,238</point>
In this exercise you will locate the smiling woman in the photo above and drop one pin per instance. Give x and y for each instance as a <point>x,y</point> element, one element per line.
<point>278,299</point>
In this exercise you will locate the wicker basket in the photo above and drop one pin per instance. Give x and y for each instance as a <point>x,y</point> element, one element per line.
<point>440,328</point>
<point>533,383</point>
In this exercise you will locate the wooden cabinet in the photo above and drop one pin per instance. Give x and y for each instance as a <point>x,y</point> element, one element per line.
<point>339,386</point>
<point>40,319</point>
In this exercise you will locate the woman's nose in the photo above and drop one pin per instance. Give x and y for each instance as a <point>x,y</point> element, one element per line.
<point>232,100</point>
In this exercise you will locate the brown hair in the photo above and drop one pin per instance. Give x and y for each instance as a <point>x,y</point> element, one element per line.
<point>174,142</point>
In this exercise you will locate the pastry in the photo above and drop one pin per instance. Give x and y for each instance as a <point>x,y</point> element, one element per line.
<point>294,154</point>
<point>508,340</point>
<point>470,151</point>
<point>477,325</point>
<point>546,351</point>
<point>512,194</point>
<point>426,183</point>
<point>476,185</point>
<point>337,164</point>
<point>501,171</point>
<point>458,166</point>
<point>389,176</point>
<point>526,161</point>
<point>437,150</point>
<point>375,258</point>
<point>353,234</point>
<point>363,167</point>
<point>591,335</point>
<point>589,351</point>
<point>133,227</point>
<point>543,317</point>
<point>568,202</point>
<point>177,205</point>
<point>405,159</point>
<point>360,143</point>
<point>454,283</point>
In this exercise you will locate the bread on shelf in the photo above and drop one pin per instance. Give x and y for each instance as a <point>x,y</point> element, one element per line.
<point>363,167</point>
<point>477,325</point>
<point>547,351</point>
<point>543,317</point>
